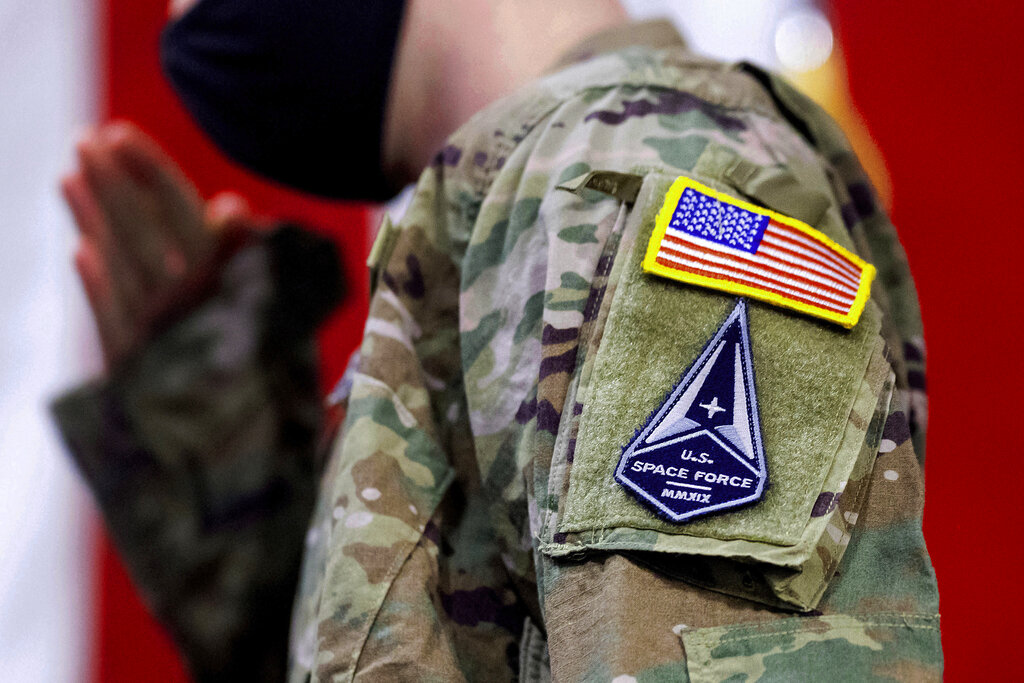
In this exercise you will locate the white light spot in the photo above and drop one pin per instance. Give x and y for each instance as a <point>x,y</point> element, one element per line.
<point>312,536</point>
<point>842,486</point>
<point>305,647</point>
<point>370,494</point>
<point>339,512</point>
<point>891,475</point>
<point>624,678</point>
<point>851,517</point>
<point>404,416</point>
<point>358,520</point>
<point>679,628</point>
<point>835,532</point>
<point>886,446</point>
<point>412,509</point>
<point>803,40</point>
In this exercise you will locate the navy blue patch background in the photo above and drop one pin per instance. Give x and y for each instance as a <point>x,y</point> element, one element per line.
<point>701,450</point>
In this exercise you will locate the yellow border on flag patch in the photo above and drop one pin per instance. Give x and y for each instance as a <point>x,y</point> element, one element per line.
<point>675,192</point>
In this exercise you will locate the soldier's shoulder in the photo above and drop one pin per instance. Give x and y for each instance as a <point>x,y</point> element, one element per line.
<point>657,88</point>
<point>629,68</point>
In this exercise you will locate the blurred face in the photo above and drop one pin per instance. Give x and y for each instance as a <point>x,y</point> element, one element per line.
<point>175,8</point>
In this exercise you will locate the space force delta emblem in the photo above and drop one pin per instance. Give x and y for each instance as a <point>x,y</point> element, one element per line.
<point>706,238</point>
<point>701,451</point>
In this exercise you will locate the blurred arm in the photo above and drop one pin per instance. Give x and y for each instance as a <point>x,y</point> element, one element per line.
<point>200,452</point>
<point>199,445</point>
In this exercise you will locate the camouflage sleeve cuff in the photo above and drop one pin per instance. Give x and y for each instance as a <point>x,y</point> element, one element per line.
<point>211,370</point>
<point>200,451</point>
<point>90,415</point>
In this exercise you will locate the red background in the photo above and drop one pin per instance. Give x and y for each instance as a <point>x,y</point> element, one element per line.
<point>939,84</point>
<point>129,646</point>
<point>940,89</point>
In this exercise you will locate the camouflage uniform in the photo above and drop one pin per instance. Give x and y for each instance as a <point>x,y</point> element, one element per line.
<point>467,525</point>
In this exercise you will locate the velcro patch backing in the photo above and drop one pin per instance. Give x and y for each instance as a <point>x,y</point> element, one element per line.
<point>807,378</point>
<point>702,451</point>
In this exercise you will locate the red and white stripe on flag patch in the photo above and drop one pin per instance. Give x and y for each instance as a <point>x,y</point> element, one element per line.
<point>707,238</point>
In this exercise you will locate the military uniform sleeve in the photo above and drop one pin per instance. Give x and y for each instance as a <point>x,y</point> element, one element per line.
<point>200,453</point>
<point>400,553</point>
<point>480,519</point>
<point>603,381</point>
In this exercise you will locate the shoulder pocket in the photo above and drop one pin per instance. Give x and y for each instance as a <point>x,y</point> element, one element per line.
<point>822,391</point>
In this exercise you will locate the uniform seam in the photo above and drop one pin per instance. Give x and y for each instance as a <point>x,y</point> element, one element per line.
<point>673,87</point>
<point>832,629</point>
<point>394,570</point>
<point>890,619</point>
<point>534,119</point>
<point>610,253</point>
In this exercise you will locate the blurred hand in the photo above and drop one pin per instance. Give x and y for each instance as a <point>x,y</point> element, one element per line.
<point>147,241</point>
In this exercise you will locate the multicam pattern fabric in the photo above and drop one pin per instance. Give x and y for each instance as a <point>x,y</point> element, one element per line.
<point>438,549</point>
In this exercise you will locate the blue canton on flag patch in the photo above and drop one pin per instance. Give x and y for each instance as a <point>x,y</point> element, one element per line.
<point>701,451</point>
<point>726,224</point>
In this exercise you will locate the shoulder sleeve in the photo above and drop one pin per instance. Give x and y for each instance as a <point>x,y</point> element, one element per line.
<point>405,577</point>
<point>200,453</point>
<point>371,593</point>
<point>877,238</point>
<point>637,416</point>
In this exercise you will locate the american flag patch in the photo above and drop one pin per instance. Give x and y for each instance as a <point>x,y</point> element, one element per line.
<point>707,238</point>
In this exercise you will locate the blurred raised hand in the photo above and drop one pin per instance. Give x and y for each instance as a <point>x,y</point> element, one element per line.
<point>148,243</point>
<point>201,450</point>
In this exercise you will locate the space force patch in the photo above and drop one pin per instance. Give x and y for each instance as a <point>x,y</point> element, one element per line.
<point>704,237</point>
<point>701,451</point>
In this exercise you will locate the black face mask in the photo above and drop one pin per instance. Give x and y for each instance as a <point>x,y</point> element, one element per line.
<point>293,89</point>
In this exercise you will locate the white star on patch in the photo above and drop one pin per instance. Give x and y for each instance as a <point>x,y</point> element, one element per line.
<point>712,407</point>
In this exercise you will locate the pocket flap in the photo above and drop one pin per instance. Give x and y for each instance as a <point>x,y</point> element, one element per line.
<point>822,393</point>
<point>862,648</point>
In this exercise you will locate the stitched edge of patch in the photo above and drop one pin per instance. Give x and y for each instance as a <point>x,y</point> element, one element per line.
<point>664,218</point>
